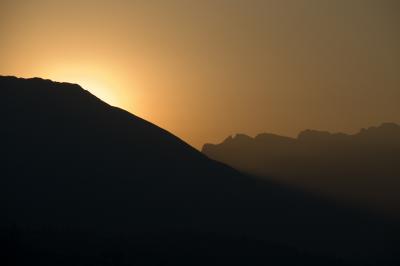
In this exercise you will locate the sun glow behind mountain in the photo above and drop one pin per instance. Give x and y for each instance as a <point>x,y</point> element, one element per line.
<point>99,84</point>
<point>207,69</point>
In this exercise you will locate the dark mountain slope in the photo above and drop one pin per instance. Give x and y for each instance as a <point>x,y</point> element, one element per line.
<point>83,181</point>
<point>363,168</point>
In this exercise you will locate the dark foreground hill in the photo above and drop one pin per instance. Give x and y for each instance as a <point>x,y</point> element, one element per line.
<point>85,183</point>
<point>363,168</point>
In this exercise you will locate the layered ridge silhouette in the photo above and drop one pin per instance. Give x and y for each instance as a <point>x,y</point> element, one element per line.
<point>364,167</point>
<point>83,182</point>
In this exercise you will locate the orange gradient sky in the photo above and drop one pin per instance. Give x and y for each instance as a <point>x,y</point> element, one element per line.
<point>207,69</point>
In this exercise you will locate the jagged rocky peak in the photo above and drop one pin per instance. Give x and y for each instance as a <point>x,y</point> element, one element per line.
<point>312,135</point>
<point>269,137</point>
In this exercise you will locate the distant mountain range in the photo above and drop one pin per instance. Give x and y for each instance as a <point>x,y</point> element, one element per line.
<point>363,168</point>
<point>85,183</point>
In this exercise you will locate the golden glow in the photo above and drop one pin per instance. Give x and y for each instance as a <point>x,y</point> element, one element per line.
<point>97,82</point>
<point>207,69</point>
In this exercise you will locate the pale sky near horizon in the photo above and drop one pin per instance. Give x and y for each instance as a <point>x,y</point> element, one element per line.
<point>206,69</point>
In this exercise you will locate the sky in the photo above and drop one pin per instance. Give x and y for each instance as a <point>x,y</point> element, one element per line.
<point>204,70</point>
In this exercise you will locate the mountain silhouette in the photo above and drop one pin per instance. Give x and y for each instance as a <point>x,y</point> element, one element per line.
<point>363,168</point>
<point>86,183</point>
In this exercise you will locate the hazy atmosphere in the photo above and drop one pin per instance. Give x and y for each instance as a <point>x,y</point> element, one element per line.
<point>200,132</point>
<point>207,69</point>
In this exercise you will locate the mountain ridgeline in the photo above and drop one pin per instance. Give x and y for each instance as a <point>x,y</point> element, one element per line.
<point>86,183</point>
<point>363,168</point>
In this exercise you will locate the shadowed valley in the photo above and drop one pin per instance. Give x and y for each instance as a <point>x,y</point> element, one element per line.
<point>85,183</point>
<point>363,168</point>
